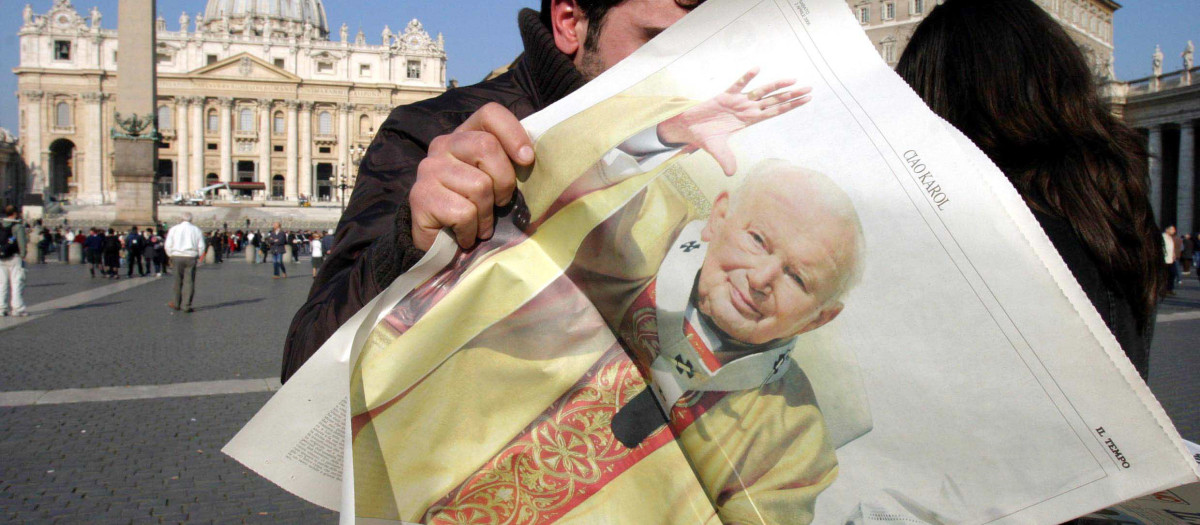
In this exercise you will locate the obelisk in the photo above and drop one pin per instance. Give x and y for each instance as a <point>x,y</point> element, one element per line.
<point>135,130</point>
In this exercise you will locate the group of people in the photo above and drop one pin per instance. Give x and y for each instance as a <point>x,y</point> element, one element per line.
<point>1180,255</point>
<point>146,250</point>
<point>109,251</point>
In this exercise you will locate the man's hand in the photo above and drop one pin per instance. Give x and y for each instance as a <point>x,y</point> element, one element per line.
<point>465,174</point>
<point>708,125</point>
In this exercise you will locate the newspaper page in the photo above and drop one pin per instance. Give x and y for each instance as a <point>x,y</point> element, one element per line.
<point>297,440</point>
<point>1180,505</point>
<point>749,279</point>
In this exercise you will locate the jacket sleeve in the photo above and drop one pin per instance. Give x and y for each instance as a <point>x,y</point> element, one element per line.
<point>373,243</point>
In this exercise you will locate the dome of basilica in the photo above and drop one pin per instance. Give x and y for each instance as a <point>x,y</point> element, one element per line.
<point>278,16</point>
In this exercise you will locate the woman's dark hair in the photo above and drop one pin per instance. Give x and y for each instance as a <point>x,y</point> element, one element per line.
<point>1011,79</point>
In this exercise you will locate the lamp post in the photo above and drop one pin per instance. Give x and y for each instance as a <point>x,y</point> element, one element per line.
<point>344,178</point>
<point>341,184</point>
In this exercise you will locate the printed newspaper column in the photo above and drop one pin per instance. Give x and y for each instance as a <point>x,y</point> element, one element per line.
<point>135,133</point>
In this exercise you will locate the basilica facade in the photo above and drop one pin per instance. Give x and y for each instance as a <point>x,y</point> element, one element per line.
<point>256,93</point>
<point>890,24</point>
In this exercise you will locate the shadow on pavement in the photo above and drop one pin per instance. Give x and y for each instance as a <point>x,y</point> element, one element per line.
<point>90,305</point>
<point>227,304</point>
<point>43,285</point>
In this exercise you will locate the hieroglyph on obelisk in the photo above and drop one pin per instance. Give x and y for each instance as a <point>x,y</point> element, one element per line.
<point>135,133</point>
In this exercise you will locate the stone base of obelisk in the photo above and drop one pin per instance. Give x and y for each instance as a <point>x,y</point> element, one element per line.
<point>137,204</point>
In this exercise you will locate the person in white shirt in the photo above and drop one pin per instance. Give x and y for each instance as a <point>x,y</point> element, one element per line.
<point>185,247</point>
<point>318,252</point>
<point>1170,253</point>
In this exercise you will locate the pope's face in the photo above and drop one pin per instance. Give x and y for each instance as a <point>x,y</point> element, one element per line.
<point>772,266</point>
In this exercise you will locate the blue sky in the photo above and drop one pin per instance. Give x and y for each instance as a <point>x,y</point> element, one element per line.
<point>482,34</point>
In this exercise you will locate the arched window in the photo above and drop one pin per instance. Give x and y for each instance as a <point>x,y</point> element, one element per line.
<point>164,118</point>
<point>245,120</point>
<point>364,126</point>
<point>213,121</point>
<point>325,123</point>
<point>62,115</point>
<point>278,121</point>
<point>277,186</point>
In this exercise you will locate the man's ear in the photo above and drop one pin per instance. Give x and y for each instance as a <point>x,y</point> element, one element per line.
<point>828,313</point>
<point>569,26</point>
<point>720,209</point>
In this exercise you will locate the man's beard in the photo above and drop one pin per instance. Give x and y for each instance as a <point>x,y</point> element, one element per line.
<point>590,64</point>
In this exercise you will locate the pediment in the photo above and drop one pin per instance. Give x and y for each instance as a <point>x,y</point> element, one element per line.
<point>246,67</point>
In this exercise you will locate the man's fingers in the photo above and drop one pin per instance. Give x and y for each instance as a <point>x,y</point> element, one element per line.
<point>741,83</point>
<point>500,122</point>
<point>483,151</point>
<point>435,207</point>
<point>477,187</point>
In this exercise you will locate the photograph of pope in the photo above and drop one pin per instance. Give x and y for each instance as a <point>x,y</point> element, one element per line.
<point>707,297</point>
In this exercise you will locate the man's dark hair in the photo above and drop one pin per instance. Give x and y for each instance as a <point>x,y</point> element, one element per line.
<point>10,211</point>
<point>595,11</point>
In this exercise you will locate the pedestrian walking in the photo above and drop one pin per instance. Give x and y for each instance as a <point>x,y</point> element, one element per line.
<point>185,247</point>
<point>255,240</point>
<point>111,251</point>
<point>218,245</point>
<point>278,241</point>
<point>12,263</point>
<point>45,241</point>
<point>327,243</point>
<point>135,248</point>
<point>61,241</point>
<point>318,253</point>
<point>293,240</point>
<point>1188,253</point>
<point>1170,257</point>
<point>264,247</point>
<point>156,252</point>
<point>93,247</point>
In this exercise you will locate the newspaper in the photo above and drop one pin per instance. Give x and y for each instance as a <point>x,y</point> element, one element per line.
<point>749,279</point>
<point>1179,505</point>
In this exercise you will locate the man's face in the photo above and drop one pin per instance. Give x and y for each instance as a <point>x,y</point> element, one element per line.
<point>773,265</point>
<point>624,29</point>
<point>1171,230</point>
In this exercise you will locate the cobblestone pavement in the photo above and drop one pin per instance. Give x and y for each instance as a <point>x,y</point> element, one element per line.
<point>146,461</point>
<point>159,460</point>
<point>1175,358</point>
<point>155,461</point>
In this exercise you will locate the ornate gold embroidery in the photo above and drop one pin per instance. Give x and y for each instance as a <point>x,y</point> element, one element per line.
<point>560,460</point>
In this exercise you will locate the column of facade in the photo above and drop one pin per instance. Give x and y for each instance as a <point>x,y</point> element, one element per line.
<point>290,184</point>
<point>197,136</point>
<point>182,134</point>
<point>1184,220</point>
<point>264,144</point>
<point>32,137</point>
<point>343,144</point>
<point>91,189</point>
<point>1156,186</point>
<point>226,139</point>
<point>306,141</point>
